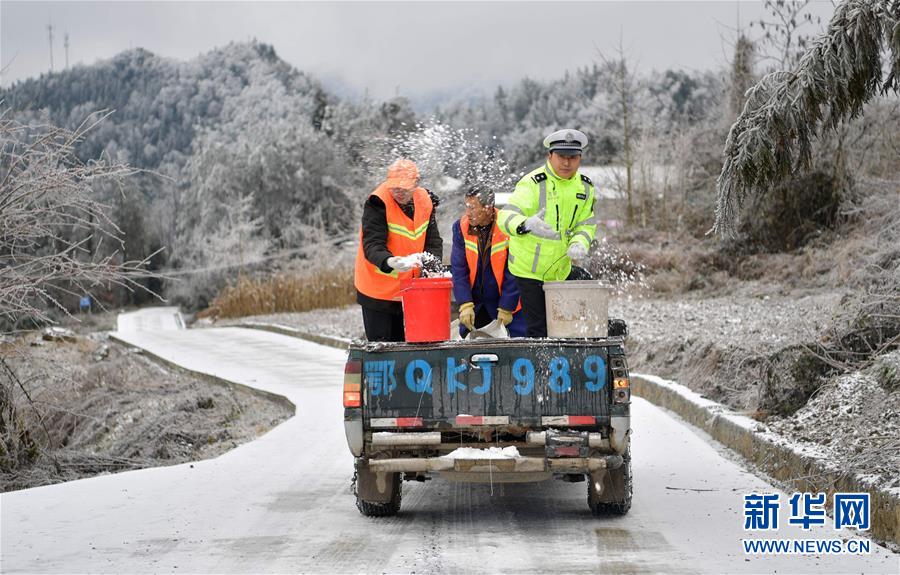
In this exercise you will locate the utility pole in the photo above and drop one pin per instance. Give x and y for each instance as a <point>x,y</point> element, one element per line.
<point>50,37</point>
<point>66,44</point>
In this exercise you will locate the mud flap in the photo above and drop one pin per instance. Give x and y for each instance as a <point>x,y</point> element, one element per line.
<point>375,486</point>
<point>612,486</point>
<point>610,490</point>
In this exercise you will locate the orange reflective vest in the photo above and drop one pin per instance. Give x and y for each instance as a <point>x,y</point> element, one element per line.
<point>499,252</point>
<point>405,237</point>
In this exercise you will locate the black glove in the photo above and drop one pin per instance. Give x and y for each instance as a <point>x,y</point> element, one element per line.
<point>616,328</point>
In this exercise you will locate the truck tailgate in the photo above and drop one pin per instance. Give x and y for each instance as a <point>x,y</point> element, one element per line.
<point>515,382</point>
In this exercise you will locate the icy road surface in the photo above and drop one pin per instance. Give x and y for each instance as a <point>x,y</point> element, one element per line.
<point>282,503</point>
<point>151,319</point>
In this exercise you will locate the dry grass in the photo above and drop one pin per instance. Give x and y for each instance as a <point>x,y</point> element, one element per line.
<point>315,288</point>
<point>673,263</point>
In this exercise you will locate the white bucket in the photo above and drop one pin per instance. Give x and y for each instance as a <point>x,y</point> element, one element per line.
<point>576,308</point>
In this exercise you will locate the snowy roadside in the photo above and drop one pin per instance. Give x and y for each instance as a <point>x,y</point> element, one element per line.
<point>797,465</point>
<point>762,322</point>
<point>109,408</point>
<point>343,322</point>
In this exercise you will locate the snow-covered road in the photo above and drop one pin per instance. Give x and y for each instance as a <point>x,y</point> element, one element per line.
<point>282,503</point>
<point>151,319</point>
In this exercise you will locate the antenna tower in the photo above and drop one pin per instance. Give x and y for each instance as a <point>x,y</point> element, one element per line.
<point>50,38</point>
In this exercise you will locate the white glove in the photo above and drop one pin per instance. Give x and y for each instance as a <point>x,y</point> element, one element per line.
<point>536,225</point>
<point>400,264</point>
<point>576,251</point>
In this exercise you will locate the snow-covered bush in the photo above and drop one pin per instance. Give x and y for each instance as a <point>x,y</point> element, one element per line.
<point>51,231</point>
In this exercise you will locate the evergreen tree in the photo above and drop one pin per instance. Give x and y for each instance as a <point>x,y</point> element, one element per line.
<point>741,76</point>
<point>835,77</point>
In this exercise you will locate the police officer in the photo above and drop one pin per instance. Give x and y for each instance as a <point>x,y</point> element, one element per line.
<point>550,222</point>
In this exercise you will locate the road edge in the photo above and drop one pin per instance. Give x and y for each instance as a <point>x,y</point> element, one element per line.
<point>736,432</point>
<point>338,342</point>
<point>214,379</point>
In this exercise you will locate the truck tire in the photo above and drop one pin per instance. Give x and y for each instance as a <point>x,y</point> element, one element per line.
<point>372,501</point>
<point>615,497</point>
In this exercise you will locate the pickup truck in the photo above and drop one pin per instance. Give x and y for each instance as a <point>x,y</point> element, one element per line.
<point>489,410</point>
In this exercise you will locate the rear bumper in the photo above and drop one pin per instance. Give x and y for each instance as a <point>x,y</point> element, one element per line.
<point>510,465</point>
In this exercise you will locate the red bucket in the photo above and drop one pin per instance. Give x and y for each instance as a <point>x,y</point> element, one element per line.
<point>426,309</point>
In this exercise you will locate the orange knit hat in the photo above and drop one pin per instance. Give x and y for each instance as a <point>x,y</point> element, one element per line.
<point>402,173</point>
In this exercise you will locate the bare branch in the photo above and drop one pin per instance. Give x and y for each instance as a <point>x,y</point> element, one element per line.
<point>51,225</point>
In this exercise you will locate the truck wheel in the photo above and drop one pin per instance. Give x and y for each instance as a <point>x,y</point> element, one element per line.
<point>615,496</point>
<point>377,494</point>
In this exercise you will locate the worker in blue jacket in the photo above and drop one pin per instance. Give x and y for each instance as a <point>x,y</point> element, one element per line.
<point>482,284</point>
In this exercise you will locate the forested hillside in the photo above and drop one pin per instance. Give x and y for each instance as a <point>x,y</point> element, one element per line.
<point>245,158</point>
<point>249,164</point>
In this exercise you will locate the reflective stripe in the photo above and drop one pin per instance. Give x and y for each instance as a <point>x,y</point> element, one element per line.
<point>506,223</point>
<point>586,235</point>
<point>513,208</point>
<point>470,245</point>
<point>568,420</point>
<point>465,420</point>
<point>402,232</point>
<point>416,232</point>
<point>392,273</point>
<point>537,256</point>
<point>587,190</point>
<point>584,221</point>
<point>406,232</point>
<point>542,195</point>
<point>511,258</point>
<point>382,422</point>
<point>500,246</point>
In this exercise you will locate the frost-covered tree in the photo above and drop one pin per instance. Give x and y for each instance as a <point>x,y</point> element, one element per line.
<point>221,251</point>
<point>48,219</point>
<point>290,169</point>
<point>162,109</point>
<point>624,85</point>
<point>835,77</point>
<point>741,76</point>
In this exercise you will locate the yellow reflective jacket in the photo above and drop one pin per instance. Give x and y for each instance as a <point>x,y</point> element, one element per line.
<point>569,208</point>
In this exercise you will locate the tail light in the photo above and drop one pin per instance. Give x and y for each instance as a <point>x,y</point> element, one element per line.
<point>621,390</point>
<point>352,384</point>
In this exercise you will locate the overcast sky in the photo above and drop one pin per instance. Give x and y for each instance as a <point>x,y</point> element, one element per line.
<point>385,47</point>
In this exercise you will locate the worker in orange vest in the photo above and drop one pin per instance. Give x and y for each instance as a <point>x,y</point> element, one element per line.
<point>398,220</point>
<point>482,284</point>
